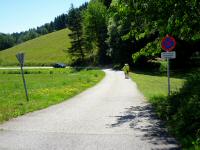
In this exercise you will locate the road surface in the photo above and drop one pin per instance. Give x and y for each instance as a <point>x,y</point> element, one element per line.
<point>16,68</point>
<point>113,115</point>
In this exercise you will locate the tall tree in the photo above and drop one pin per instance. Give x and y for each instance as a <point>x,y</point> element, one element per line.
<point>95,31</point>
<point>121,39</point>
<point>6,41</point>
<point>75,25</point>
<point>60,22</point>
<point>106,2</point>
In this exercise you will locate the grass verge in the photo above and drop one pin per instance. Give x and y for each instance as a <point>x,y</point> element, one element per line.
<point>181,110</point>
<point>155,85</point>
<point>45,87</point>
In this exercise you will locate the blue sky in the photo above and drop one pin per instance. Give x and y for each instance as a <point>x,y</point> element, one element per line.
<point>21,15</point>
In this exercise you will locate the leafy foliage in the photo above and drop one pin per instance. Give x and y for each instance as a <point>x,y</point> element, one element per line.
<point>182,111</point>
<point>150,51</point>
<point>95,31</point>
<point>133,20</point>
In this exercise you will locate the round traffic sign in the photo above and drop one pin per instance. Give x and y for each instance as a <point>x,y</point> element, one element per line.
<point>168,43</point>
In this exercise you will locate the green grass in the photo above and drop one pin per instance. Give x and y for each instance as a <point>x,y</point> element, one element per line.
<point>44,50</point>
<point>155,85</point>
<point>45,88</point>
<point>180,111</point>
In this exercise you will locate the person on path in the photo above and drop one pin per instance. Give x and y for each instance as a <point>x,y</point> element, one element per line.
<point>126,70</point>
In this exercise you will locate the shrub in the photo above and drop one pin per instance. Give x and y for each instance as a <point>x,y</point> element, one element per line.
<point>181,110</point>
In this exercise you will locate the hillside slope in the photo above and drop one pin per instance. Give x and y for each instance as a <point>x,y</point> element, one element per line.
<point>44,50</point>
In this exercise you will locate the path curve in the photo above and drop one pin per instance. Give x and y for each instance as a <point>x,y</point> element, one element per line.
<point>113,115</point>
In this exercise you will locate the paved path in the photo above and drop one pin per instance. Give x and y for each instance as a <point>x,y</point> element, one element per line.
<point>110,116</point>
<point>16,68</point>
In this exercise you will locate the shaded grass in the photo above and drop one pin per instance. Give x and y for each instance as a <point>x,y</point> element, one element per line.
<point>45,88</point>
<point>42,51</point>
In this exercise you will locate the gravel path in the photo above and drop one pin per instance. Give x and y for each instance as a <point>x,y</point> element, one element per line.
<point>110,116</point>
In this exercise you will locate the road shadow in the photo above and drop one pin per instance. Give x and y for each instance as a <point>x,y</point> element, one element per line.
<point>144,120</point>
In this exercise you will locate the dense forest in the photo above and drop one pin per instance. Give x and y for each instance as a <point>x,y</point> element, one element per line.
<point>130,31</point>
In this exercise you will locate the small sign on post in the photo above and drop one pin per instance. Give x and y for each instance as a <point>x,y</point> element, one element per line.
<point>168,44</point>
<point>20,58</point>
<point>170,55</point>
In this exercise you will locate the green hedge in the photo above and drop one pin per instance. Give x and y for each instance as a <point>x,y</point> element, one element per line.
<point>182,112</point>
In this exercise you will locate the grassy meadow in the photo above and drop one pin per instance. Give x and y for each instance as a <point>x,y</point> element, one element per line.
<point>45,88</point>
<point>44,50</point>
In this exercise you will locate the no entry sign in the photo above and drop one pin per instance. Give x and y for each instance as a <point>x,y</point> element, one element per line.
<point>168,43</point>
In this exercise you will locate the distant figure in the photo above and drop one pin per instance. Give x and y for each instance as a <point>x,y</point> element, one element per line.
<point>126,70</point>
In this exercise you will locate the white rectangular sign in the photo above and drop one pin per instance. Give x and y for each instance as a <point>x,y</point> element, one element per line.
<point>170,55</point>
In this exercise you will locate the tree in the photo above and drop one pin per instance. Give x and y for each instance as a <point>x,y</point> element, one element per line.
<point>60,22</point>
<point>42,30</point>
<point>106,2</point>
<point>95,31</point>
<point>6,41</point>
<point>74,23</point>
<point>143,24</point>
<point>121,36</point>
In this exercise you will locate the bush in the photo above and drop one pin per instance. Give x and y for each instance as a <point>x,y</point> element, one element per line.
<point>182,111</point>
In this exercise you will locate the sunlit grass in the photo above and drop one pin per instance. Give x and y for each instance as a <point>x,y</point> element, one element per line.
<point>44,50</point>
<point>45,88</point>
<point>155,85</point>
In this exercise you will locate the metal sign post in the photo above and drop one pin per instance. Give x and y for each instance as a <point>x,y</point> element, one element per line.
<point>168,75</point>
<point>168,56</point>
<point>168,44</point>
<point>20,57</point>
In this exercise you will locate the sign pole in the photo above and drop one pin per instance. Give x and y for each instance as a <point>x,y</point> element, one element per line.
<point>20,57</point>
<point>168,44</point>
<point>168,74</point>
<point>24,81</point>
